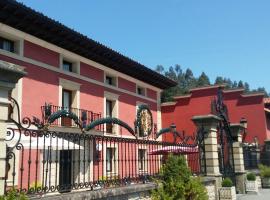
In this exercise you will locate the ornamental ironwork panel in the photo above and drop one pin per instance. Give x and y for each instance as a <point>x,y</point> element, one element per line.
<point>224,137</point>
<point>41,161</point>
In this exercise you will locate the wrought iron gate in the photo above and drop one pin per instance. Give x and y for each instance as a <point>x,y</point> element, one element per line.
<point>224,138</point>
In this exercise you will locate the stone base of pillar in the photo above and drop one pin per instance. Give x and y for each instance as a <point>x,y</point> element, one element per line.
<point>218,181</point>
<point>240,178</point>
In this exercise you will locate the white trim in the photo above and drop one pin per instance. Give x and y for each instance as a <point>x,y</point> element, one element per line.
<point>56,69</point>
<point>66,53</point>
<point>114,76</point>
<point>115,164</point>
<point>69,85</point>
<point>144,90</point>
<point>112,97</point>
<point>159,118</point>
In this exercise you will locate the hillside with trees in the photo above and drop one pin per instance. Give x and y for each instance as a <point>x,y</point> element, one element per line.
<point>186,81</point>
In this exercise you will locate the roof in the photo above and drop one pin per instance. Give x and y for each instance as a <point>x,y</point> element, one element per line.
<point>207,87</point>
<point>25,19</point>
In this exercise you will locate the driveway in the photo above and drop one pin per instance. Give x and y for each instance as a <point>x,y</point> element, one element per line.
<point>264,194</point>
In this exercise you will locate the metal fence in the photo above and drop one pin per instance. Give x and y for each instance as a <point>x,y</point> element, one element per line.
<point>255,155</point>
<point>85,116</point>
<point>41,161</point>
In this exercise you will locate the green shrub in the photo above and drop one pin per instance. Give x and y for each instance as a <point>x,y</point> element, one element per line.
<point>14,195</point>
<point>177,183</point>
<point>227,182</point>
<point>264,171</point>
<point>251,176</point>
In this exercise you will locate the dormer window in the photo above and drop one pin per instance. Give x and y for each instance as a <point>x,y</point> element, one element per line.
<point>7,45</point>
<point>140,91</point>
<point>67,66</point>
<point>110,80</point>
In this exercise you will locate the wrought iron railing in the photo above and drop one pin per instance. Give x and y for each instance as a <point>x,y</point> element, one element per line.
<point>41,161</point>
<point>85,116</point>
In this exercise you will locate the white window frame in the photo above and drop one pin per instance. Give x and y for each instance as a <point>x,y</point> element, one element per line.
<point>113,76</point>
<point>18,44</point>
<point>112,97</point>
<point>114,165</point>
<point>75,64</point>
<point>144,90</point>
<point>145,170</point>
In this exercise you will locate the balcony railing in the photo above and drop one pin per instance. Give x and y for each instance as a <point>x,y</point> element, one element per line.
<point>85,116</point>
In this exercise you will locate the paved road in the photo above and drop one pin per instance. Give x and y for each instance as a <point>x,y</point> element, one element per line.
<point>264,194</point>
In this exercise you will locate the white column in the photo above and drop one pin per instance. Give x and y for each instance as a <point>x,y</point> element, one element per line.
<point>9,76</point>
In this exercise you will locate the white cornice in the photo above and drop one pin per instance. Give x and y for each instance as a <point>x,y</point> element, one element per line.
<point>22,35</point>
<point>55,69</point>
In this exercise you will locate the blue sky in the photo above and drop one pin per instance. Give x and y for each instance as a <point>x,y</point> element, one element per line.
<point>228,38</point>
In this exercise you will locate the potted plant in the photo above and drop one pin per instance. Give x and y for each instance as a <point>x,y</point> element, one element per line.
<point>265,176</point>
<point>251,183</point>
<point>227,191</point>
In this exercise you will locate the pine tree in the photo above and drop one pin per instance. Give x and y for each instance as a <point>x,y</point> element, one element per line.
<point>246,86</point>
<point>159,69</point>
<point>203,80</point>
<point>240,84</point>
<point>219,80</point>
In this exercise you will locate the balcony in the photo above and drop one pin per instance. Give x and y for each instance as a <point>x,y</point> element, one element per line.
<point>85,116</point>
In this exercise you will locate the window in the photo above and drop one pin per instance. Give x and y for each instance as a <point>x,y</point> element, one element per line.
<point>66,105</point>
<point>109,113</point>
<point>142,159</point>
<point>140,90</point>
<point>110,156</point>
<point>70,65</point>
<point>110,80</point>
<point>67,66</point>
<point>6,45</point>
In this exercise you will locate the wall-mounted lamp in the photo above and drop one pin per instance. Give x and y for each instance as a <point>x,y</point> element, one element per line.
<point>243,121</point>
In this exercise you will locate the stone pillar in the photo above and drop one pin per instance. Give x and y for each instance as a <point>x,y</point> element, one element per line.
<point>209,124</point>
<point>239,167</point>
<point>9,76</point>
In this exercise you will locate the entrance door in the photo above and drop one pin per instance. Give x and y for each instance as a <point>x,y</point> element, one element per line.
<point>66,105</point>
<point>65,171</point>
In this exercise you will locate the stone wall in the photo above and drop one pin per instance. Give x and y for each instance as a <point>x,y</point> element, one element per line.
<point>131,192</point>
<point>211,186</point>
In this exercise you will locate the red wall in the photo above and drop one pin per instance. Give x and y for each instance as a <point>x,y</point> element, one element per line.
<point>251,108</point>
<point>42,85</point>
<point>41,54</point>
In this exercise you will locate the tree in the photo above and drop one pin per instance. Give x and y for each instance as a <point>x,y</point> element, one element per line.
<point>234,85</point>
<point>246,86</point>
<point>203,80</point>
<point>177,182</point>
<point>159,69</point>
<point>219,80</point>
<point>240,84</point>
<point>186,81</point>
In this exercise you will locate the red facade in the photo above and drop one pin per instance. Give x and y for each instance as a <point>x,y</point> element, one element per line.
<point>250,107</point>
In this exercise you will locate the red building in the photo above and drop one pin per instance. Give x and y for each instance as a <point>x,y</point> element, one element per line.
<point>240,105</point>
<point>75,74</point>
